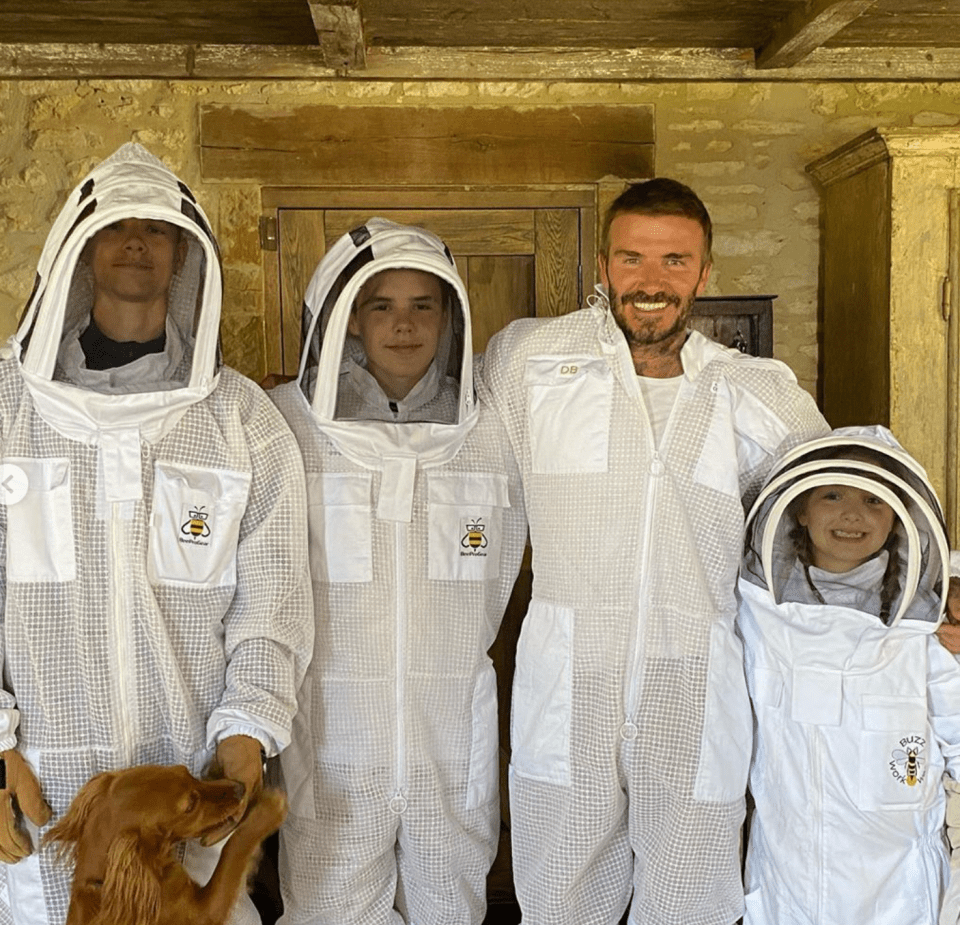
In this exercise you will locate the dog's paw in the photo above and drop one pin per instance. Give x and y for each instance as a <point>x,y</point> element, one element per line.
<point>267,814</point>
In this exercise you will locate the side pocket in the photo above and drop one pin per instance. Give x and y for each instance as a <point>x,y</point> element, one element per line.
<point>339,517</point>
<point>569,415</point>
<point>542,688</point>
<point>195,524</point>
<point>484,764</point>
<point>727,737</point>
<point>465,520</point>
<point>40,525</point>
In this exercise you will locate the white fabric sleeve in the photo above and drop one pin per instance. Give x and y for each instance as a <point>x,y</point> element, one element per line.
<point>943,703</point>
<point>268,629</point>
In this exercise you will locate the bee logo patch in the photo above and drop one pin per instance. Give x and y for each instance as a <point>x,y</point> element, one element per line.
<point>907,763</point>
<point>195,529</point>
<point>474,539</point>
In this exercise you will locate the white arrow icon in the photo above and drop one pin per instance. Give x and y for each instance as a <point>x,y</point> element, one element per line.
<point>13,483</point>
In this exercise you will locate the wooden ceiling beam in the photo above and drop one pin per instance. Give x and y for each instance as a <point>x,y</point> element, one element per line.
<point>806,29</point>
<point>419,64</point>
<point>339,28</point>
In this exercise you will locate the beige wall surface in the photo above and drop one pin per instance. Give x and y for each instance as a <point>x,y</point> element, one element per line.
<point>742,146</point>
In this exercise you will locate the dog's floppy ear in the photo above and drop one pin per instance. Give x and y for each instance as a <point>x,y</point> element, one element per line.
<point>70,827</point>
<point>131,888</point>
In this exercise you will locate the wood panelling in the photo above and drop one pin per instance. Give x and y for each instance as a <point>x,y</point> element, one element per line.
<point>576,23</point>
<point>501,231</point>
<point>417,145</point>
<point>656,40</point>
<point>302,241</point>
<point>267,22</point>
<point>559,273</point>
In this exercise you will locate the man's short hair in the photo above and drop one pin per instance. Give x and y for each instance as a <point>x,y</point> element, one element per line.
<point>660,196</point>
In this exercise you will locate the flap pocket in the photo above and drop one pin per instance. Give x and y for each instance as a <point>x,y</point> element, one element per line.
<point>470,488</point>
<point>40,526</point>
<point>542,695</point>
<point>466,525</point>
<point>900,766</point>
<point>339,516</point>
<point>195,525</point>
<point>570,402</point>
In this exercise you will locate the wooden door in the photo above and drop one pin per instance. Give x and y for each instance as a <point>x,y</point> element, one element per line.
<point>519,253</point>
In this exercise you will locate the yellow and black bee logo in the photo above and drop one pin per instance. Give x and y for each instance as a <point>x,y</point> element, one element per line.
<point>474,538</point>
<point>197,524</point>
<point>908,762</point>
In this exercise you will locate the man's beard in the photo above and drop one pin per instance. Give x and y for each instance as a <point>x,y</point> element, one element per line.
<point>647,332</point>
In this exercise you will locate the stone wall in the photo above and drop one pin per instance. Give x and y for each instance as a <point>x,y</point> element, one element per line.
<point>742,146</point>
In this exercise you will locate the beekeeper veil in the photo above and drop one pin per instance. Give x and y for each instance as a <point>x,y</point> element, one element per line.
<point>152,392</point>
<point>397,434</point>
<point>382,263</point>
<point>913,565</point>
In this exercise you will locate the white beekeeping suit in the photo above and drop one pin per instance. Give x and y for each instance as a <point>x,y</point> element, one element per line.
<point>855,700</point>
<point>631,725</point>
<point>416,534</point>
<point>156,596</point>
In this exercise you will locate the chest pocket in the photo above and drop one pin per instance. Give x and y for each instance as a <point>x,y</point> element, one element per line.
<point>466,526</point>
<point>40,525</point>
<point>195,525</point>
<point>900,764</point>
<point>339,514</point>
<point>570,401</point>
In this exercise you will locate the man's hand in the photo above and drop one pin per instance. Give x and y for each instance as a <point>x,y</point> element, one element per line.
<point>949,631</point>
<point>21,791</point>
<point>238,758</point>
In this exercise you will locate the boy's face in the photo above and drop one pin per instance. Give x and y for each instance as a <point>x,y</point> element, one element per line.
<point>134,259</point>
<point>846,525</point>
<point>398,317</point>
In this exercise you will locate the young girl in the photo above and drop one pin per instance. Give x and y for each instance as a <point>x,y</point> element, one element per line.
<point>843,584</point>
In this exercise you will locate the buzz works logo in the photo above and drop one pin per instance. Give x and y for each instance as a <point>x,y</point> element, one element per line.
<point>195,530</point>
<point>907,763</point>
<point>474,541</point>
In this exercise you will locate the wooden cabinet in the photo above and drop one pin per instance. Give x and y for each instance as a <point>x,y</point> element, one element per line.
<point>744,322</point>
<point>888,313</point>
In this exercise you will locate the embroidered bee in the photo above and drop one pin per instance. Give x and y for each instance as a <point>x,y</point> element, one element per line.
<point>912,763</point>
<point>197,524</point>
<point>474,538</point>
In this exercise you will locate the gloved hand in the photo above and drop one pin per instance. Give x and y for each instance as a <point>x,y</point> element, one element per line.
<point>952,817</point>
<point>21,791</point>
<point>238,758</point>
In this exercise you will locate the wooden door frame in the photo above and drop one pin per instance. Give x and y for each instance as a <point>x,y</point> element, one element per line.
<point>586,198</point>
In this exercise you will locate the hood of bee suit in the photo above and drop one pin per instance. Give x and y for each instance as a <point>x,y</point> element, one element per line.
<point>869,458</point>
<point>151,393</point>
<point>441,410</point>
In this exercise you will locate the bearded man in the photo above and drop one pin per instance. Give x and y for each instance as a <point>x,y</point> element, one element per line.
<point>639,443</point>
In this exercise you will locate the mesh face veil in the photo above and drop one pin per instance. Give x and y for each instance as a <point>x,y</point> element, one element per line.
<point>131,184</point>
<point>334,372</point>
<point>871,460</point>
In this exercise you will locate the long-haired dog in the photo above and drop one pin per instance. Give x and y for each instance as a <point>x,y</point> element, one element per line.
<point>122,830</point>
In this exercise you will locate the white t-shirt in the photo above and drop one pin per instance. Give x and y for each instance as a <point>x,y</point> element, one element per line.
<point>659,396</point>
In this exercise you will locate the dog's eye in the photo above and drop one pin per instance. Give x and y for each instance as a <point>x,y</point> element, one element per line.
<point>190,804</point>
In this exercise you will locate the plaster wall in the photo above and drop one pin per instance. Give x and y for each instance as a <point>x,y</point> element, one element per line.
<point>742,146</point>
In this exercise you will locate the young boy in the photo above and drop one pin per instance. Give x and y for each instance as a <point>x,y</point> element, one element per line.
<point>416,532</point>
